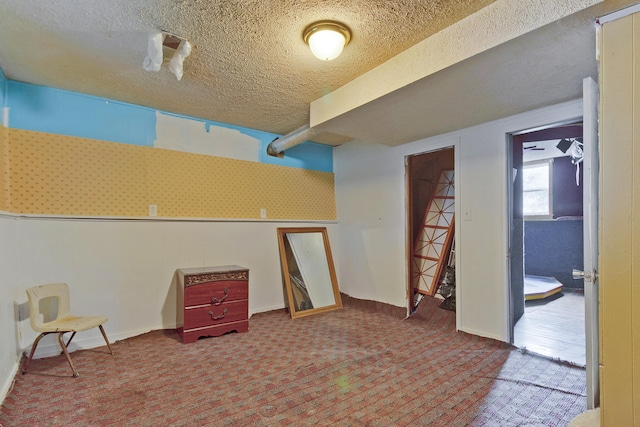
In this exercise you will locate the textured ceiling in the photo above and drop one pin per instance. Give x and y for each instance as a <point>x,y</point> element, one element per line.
<point>544,67</point>
<point>248,67</point>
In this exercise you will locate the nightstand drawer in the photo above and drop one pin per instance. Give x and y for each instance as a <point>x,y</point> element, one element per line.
<point>195,317</point>
<point>215,293</point>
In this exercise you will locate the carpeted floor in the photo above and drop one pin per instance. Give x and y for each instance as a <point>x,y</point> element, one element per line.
<point>359,366</point>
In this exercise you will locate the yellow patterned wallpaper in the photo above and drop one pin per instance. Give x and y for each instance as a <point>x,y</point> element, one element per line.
<point>4,169</point>
<point>64,175</point>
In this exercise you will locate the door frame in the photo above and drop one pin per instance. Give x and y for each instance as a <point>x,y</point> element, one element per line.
<point>590,214</point>
<point>591,295</point>
<point>409,230</point>
<point>516,257</point>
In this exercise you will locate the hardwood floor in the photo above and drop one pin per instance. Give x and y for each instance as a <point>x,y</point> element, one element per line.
<point>554,327</point>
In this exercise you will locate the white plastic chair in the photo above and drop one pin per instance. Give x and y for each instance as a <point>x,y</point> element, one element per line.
<point>64,321</point>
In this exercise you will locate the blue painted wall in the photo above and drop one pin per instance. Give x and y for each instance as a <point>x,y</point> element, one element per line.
<point>567,195</point>
<point>554,249</point>
<point>3,89</point>
<point>45,109</point>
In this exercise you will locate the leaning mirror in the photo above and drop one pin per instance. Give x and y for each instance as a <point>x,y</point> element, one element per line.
<point>307,268</point>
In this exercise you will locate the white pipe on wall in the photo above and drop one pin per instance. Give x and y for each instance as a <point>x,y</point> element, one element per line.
<point>298,136</point>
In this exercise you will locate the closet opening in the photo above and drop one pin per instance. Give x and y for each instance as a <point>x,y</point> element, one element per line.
<point>430,231</point>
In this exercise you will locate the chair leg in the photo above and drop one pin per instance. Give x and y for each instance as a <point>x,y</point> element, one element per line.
<point>105,338</point>
<point>66,353</point>
<point>33,351</point>
<point>72,335</point>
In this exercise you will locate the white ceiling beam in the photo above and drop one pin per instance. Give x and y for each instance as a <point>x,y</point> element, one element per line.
<point>496,24</point>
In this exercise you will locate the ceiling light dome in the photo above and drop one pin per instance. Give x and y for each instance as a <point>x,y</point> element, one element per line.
<point>326,39</point>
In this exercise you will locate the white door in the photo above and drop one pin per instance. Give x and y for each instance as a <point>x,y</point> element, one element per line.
<point>590,215</point>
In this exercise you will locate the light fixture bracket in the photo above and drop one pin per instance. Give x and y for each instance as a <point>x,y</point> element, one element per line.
<point>327,25</point>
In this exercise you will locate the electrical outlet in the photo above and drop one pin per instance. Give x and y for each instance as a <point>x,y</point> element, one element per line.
<point>263,213</point>
<point>153,210</point>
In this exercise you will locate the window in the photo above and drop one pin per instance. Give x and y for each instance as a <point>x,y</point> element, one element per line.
<point>536,189</point>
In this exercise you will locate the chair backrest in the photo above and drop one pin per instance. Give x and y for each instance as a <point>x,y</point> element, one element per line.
<point>60,291</point>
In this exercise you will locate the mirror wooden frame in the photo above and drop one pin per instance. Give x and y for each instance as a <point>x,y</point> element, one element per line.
<point>284,259</point>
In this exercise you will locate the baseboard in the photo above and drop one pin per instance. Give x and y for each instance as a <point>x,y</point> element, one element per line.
<point>8,383</point>
<point>79,343</point>
<point>481,334</point>
<point>52,348</point>
<point>265,309</point>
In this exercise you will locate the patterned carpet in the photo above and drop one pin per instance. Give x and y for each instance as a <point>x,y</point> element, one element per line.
<point>359,366</point>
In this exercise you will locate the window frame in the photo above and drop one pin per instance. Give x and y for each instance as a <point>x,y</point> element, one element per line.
<point>549,163</point>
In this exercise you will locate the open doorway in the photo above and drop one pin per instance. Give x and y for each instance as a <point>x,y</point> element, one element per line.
<point>547,303</point>
<point>430,219</point>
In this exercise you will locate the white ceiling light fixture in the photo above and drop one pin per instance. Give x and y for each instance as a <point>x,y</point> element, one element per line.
<point>326,39</point>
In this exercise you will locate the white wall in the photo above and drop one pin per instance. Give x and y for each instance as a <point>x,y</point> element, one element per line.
<point>371,199</point>
<point>125,271</point>
<point>9,348</point>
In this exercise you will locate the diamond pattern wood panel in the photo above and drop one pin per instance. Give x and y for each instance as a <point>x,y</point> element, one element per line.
<point>434,240</point>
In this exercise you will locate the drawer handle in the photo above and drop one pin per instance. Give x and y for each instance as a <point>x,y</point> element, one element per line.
<point>216,301</point>
<point>218,317</point>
